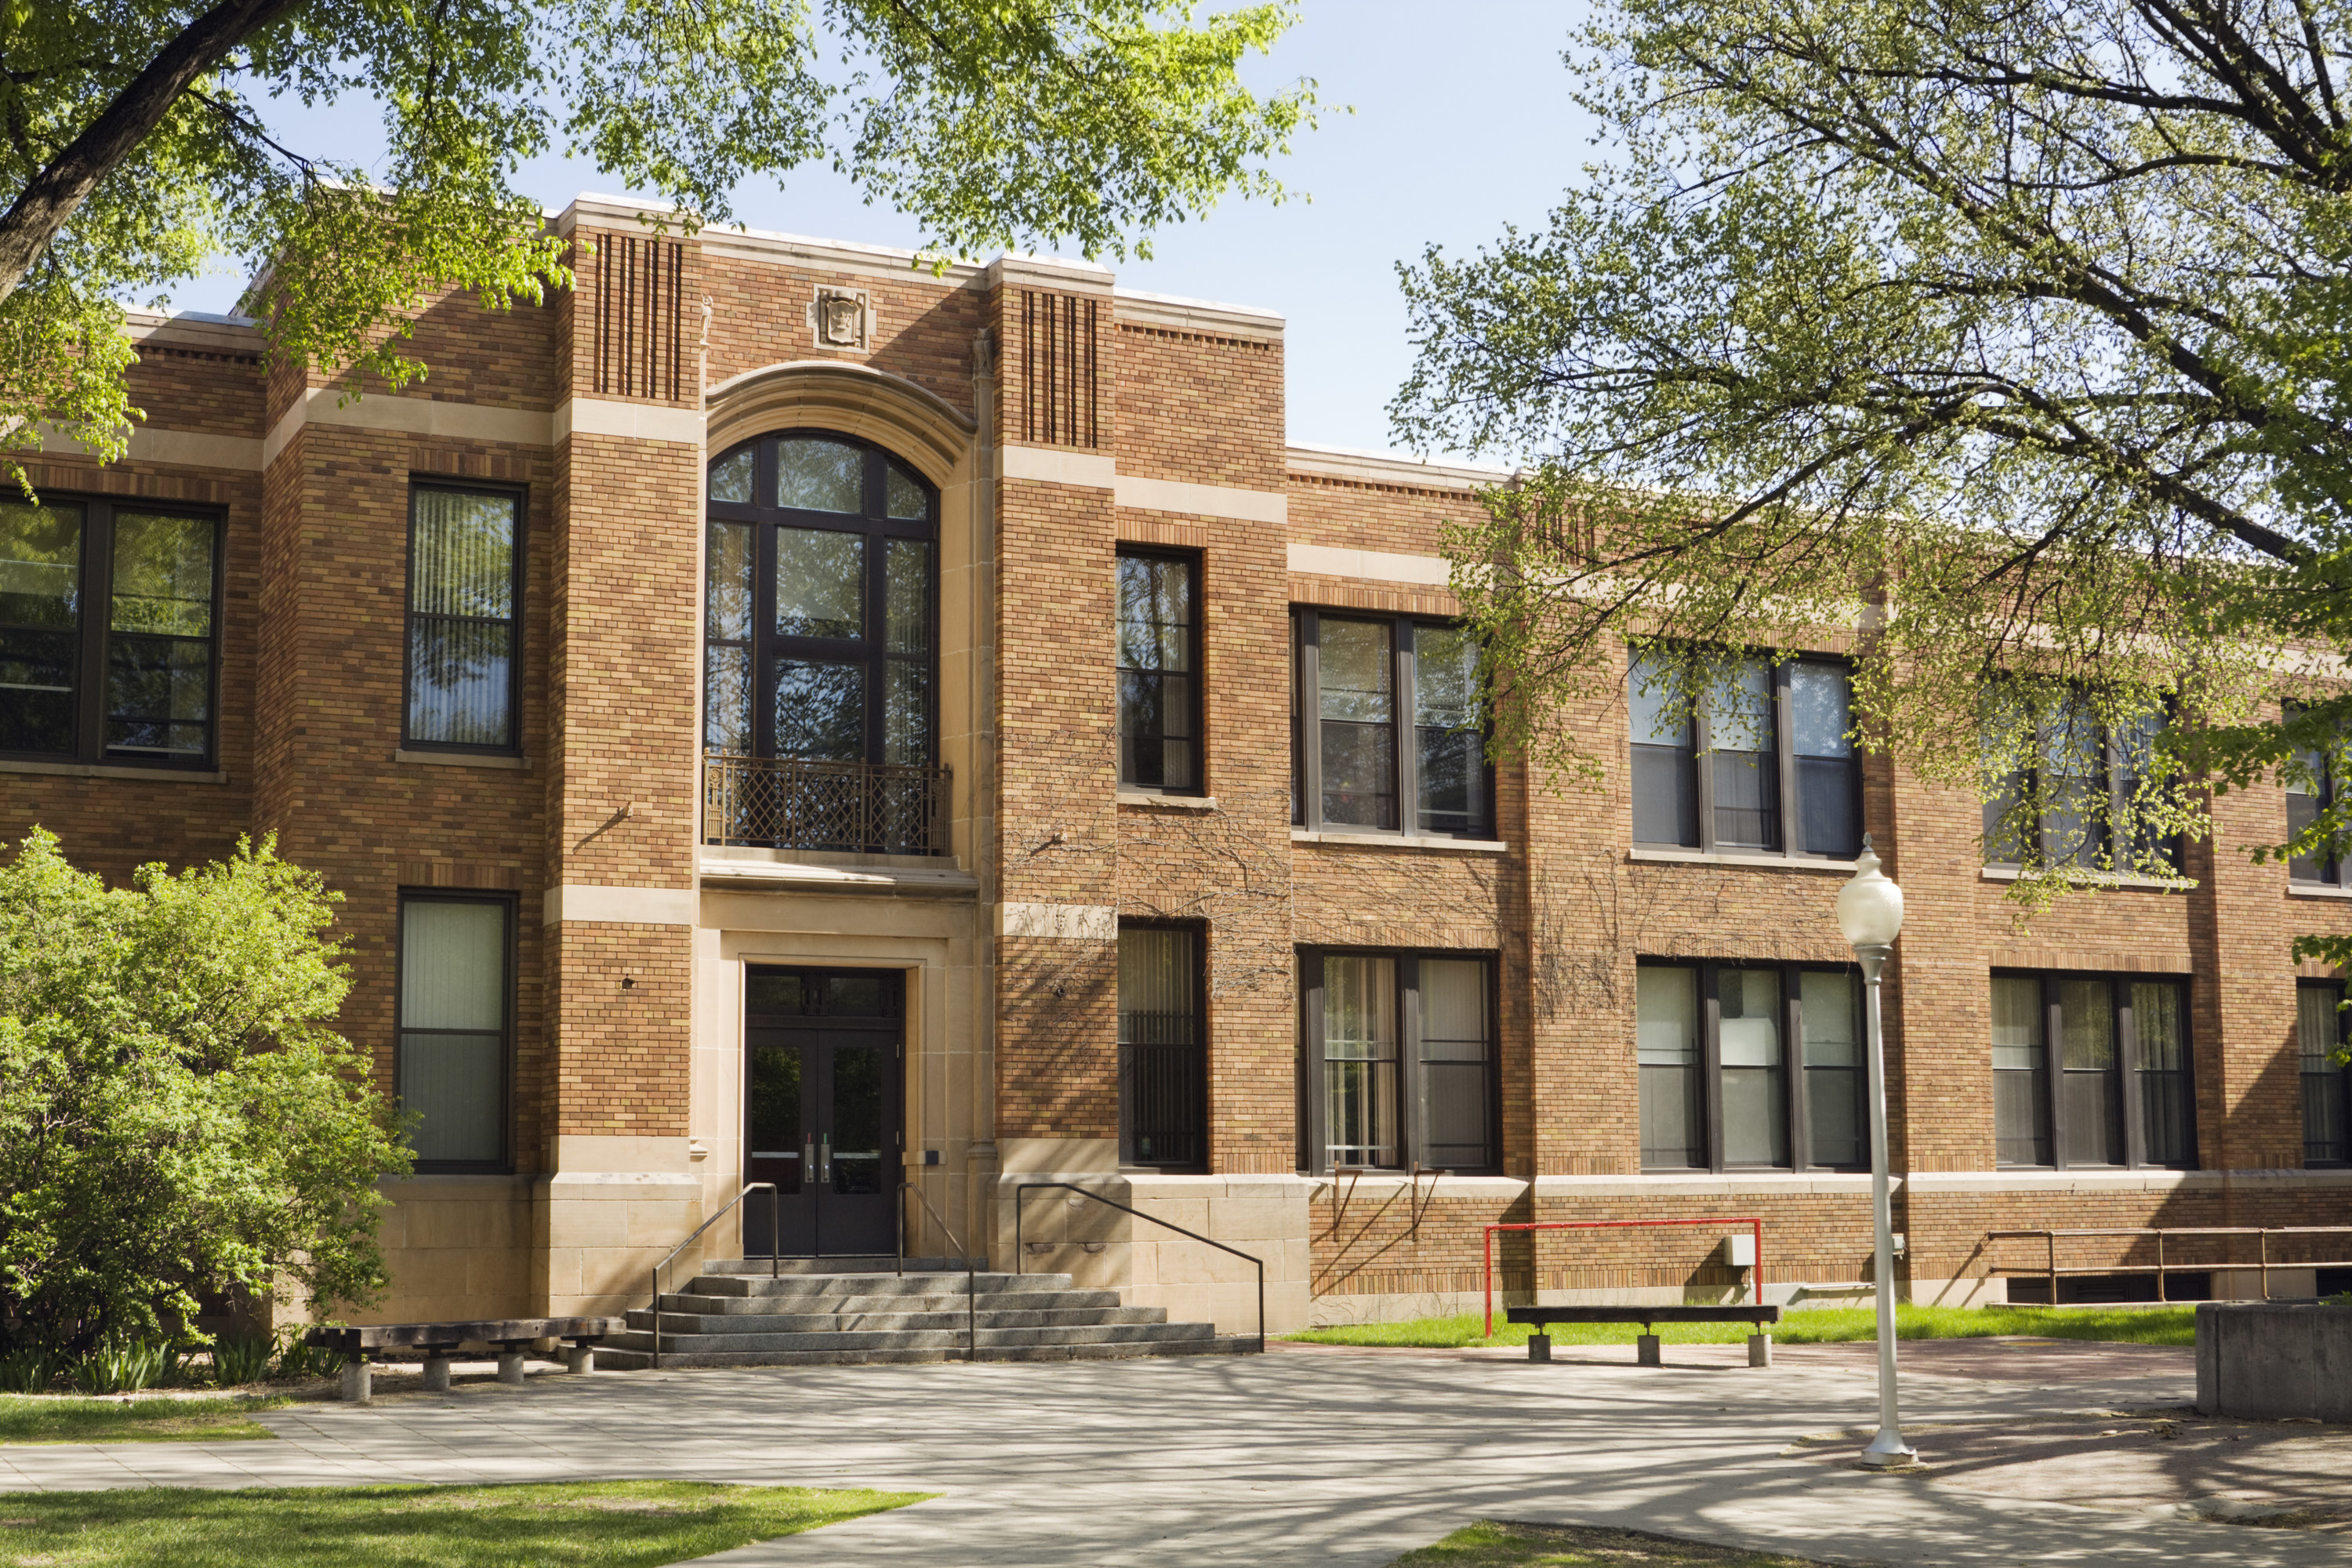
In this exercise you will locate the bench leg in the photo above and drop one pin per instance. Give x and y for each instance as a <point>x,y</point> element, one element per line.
<point>1540,1347</point>
<point>359,1386</point>
<point>580,1358</point>
<point>1645,1350</point>
<point>1760,1349</point>
<point>436,1374</point>
<point>509,1365</point>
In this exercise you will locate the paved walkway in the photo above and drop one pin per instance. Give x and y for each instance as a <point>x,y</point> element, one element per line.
<point>1303,1456</point>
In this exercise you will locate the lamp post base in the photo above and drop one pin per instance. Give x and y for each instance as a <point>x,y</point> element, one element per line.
<point>1888,1451</point>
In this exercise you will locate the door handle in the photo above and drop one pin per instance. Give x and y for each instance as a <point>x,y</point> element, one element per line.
<point>808,1160</point>
<point>825,1159</point>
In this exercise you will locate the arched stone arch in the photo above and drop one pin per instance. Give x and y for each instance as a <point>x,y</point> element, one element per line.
<point>890,411</point>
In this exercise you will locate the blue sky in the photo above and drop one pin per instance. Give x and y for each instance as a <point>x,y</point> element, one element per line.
<point>1462,125</point>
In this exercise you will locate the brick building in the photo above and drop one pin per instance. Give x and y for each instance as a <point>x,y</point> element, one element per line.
<point>779,715</point>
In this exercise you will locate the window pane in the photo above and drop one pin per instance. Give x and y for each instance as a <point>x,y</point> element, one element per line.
<point>731,478</point>
<point>1833,1036</point>
<point>820,710</point>
<point>453,960</point>
<point>460,682</point>
<point>40,566</point>
<point>159,695</point>
<point>1739,709</point>
<point>1450,751</point>
<point>907,595</point>
<point>2074,775</point>
<point>727,701</point>
<point>907,712</point>
<point>2161,1040</point>
<point>1453,1022</point>
<point>1161,1084</point>
<point>776,1123</point>
<point>1445,678</point>
<point>1358,672</point>
<point>1155,657</point>
<point>857,1136</point>
<point>820,476</point>
<point>451,1084</point>
<point>1655,714</point>
<point>163,574</point>
<point>2327,1137</point>
<point>2086,1015</point>
<point>461,561</point>
<point>2141,848</point>
<point>1355,704</point>
<point>1358,777</point>
<point>2094,1097</point>
<point>2302,810</point>
<point>1666,1051</point>
<point>727,611</point>
<point>1755,1084</point>
<point>1819,710</point>
<point>2020,1130</point>
<point>819,582</point>
<point>904,496</point>
<point>1359,1060</point>
<point>1834,1109</point>
<point>1820,713</point>
<point>1746,798</point>
<point>1665,796</point>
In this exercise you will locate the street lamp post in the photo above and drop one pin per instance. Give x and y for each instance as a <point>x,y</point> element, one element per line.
<point>1870,914</point>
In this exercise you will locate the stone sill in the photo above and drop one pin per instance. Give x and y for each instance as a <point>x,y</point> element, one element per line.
<point>2316,890</point>
<point>1740,858</point>
<point>114,771</point>
<point>464,759</point>
<point>1400,841</point>
<point>2101,879</point>
<point>1149,802</point>
<point>818,876</point>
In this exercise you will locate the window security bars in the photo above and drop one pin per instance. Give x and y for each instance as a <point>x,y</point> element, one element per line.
<point>2327,1083</point>
<point>792,803</point>
<point>1162,1076</point>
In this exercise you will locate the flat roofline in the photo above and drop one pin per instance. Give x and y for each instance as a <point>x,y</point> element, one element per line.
<point>1390,467</point>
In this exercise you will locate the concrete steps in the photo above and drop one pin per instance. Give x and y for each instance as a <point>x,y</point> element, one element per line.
<point>736,1313</point>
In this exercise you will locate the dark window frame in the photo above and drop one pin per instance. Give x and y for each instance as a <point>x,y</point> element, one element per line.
<point>93,635</point>
<point>1195,706</point>
<point>1787,809</point>
<point>520,496</point>
<point>2340,1078</point>
<point>505,1164</point>
<point>1403,751</point>
<point>1198,930</point>
<point>1797,1098</point>
<point>2050,1075</point>
<point>767,647</point>
<point>1412,1088</point>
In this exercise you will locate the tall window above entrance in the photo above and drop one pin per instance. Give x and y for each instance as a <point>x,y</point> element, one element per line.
<point>820,713</point>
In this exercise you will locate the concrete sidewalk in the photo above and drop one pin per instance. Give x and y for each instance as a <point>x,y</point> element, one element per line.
<point>1297,1457</point>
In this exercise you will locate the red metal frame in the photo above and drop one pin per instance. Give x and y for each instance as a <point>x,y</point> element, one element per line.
<point>1755,1226</point>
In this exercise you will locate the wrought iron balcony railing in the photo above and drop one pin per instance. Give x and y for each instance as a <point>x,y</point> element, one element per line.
<point>786,802</point>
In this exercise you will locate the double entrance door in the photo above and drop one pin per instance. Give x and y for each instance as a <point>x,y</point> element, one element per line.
<point>821,1074</point>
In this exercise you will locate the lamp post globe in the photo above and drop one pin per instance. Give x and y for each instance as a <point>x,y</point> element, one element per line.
<point>1870,914</point>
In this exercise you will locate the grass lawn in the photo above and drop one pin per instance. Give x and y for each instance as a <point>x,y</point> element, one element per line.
<point>44,1419</point>
<point>582,1524</point>
<point>1488,1545</point>
<point>1822,1325</point>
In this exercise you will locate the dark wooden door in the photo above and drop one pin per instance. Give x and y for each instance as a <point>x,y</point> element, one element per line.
<point>823,1066</point>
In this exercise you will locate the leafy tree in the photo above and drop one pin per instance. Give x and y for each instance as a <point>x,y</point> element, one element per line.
<point>135,147</point>
<point>2010,334</point>
<point>175,1116</point>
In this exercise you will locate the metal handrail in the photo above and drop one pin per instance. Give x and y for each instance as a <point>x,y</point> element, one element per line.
<point>1019,1264</point>
<point>970,1279</point>
<point>775,1246</point>
<point>2262,1265</point>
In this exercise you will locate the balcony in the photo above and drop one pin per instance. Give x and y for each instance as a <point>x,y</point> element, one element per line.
<point>786,802</point>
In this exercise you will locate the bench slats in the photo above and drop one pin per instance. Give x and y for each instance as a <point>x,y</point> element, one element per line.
<point>1540,1315</point>
<point>361,1337</point>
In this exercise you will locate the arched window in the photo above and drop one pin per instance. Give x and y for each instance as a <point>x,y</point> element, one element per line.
<point>818,617</point>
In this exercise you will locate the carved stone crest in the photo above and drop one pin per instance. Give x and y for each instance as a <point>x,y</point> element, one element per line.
<point>841,317</point>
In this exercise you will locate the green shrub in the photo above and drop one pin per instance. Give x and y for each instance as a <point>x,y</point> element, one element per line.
<point>122,1366</point>
<point>296,1359</point>
<point>240,1358</point>
<point>26,1371</point>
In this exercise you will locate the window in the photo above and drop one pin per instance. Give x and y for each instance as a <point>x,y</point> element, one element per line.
<point>2091,1070</point>
<point>1763,762</point>
<point>2305,803</point>
<point>819,605</point>
<point>1712,1053</point>
<point>1360,686</point>
<point>2084,781</point>
<point>457,996</point>
<point>1159,671</point>
<point>1397,1061</point>
<point>134,684</point>
<point>1163,1065</point>
<point>464,585</point>
<point>2326,1086</point>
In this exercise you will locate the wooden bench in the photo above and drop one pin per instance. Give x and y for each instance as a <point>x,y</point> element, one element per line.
<point>511,1337</point>
<point>1759,1344</point>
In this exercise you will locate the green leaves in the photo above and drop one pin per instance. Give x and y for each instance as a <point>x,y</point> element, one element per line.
<point>176,1118</point>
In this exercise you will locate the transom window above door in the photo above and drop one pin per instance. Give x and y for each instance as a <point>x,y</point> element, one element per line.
<point>820,608</point>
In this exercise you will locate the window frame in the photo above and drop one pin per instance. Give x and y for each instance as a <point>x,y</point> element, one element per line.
<point>93,635</point>
<point>1198,932</point>
<point>1404,760</point>
<point>1195,706</point>
<point>2342,1075</point>
<point>766,645</point>
<point>2112,774</point>
<point>2050,1075</point>
<point>409,741</point>
<point>1314,1152</point>
<point>2330,872</point>
<point>1796,1099</point>
<point>505,1163</point>
<point>1784,748</point>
